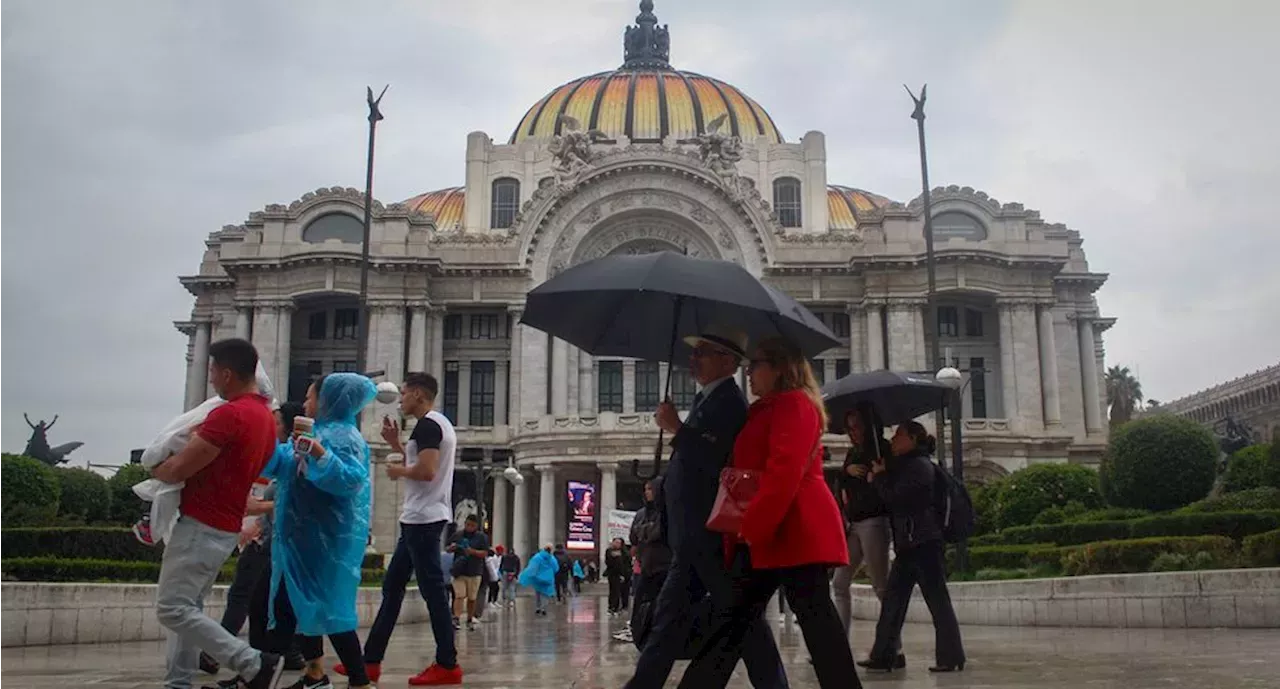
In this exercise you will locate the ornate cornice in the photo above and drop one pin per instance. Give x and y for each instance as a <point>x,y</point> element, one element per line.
<point>347,195</point>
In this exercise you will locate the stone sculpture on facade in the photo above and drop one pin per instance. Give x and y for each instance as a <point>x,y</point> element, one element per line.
<point>571,150</point>
<point>646,44</point>
<point>719,152</point>
<point>38,445</point>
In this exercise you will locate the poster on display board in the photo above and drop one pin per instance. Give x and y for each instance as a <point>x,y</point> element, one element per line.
<point>618,525</point>
<point>582,516</point>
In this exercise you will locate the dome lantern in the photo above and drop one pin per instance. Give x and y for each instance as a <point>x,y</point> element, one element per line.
<point>646,45</point>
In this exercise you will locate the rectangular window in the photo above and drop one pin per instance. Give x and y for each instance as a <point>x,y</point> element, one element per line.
<point>819,367</point>
<point>345,367</point>
<point>648,383</point>
<point>484,326</point>
<point>978,387</point>
<point>842,368</point>
<point>948,321</point>
<point>683,387</point>
<point>318,325</point>
<point>483,389</point>
<point>346,324</point>
<point>453,327</point>
<point>610,386</point>
<point>972,323</point>
<point>450,409</point>
<point>301,376</point>
<point>839,324</point>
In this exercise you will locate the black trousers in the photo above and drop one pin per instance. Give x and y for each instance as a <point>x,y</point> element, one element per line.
<point>254,563</point>
<point>926,566</point>
<point>695,573</point>
<point>808,593</point>
<point>618,593</point>
<point>493,591</point>
<point>346,644</point>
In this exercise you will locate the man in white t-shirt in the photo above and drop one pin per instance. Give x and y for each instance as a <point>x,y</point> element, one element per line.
<point>427,474</point>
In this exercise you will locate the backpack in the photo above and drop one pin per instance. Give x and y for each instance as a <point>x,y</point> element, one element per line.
<point>952,505</point>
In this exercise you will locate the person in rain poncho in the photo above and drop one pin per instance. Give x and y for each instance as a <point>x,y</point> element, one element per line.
<point>540,575</point>
<point>321,528</point>
<point>165,498</point>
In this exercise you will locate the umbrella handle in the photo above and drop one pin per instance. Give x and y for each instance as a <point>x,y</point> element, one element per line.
<point>657,462</point>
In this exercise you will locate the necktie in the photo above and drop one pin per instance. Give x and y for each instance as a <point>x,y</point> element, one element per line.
<point>697,400</point>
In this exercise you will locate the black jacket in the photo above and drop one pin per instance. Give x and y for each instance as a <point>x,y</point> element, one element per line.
<point>907,488</point>
<point>701,450</point>
<point>617,564</point>
<point>860,499</point>
<point>647,537</point>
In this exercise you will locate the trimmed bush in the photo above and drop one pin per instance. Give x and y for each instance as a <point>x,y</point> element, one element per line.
<point>1119,557</point>
<point>84,496</point>
<point>1058,515</point>
<point>77,543</point>
<point>1254,499</point>
<point>127,508</point>
<point>1044,556</point>
<point>985,499</point>
<point>31,491</point>
<point>1251,468</point>
<point>1180,562</point>
<point>1262,550</point>
<point>1028,492</point>
<point>1234,525</point>
<point>1161,462</point>
<point>1110,514</point>
<point>1071,533</point>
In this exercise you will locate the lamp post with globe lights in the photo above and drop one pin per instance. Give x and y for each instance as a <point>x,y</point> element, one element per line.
<point>956,382</point>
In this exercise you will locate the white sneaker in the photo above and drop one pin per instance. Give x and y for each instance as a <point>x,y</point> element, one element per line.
<point>472,624</point>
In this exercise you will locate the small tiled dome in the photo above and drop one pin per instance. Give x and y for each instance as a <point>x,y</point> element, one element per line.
<point>446,205</point>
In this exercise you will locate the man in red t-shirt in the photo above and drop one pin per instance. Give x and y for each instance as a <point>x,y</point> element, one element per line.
<point>219,464</point>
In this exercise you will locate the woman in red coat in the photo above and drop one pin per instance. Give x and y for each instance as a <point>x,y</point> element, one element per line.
<point>792,533</point>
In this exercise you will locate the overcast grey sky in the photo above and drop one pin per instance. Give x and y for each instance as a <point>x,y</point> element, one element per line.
<point>133,129</point>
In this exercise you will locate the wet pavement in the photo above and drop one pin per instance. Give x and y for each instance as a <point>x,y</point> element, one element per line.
<point>571,649</point>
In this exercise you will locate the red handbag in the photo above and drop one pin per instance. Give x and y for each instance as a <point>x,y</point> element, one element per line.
<point>737,488</point>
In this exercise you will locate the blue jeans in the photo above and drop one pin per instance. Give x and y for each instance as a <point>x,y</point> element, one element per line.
<point>540,601</point>
<point>192,557</point>
<point>508,589</point>
<point>418,554</point>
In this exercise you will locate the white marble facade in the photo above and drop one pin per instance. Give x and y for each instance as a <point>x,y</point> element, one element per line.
<point>450,270</point>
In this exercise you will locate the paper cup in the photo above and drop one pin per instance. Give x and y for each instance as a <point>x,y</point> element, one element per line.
<point>303,425</point>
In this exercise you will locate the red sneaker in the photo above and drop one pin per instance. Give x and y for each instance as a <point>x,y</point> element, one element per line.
<point>435,676</point>
<point>374,670</point>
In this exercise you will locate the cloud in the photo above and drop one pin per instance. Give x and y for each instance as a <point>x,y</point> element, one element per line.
<point>132,130</point>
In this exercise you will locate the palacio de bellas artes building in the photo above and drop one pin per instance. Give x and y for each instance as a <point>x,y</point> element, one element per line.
<point>645,158</point>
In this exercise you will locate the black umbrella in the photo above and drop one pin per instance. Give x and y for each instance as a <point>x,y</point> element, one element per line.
<point>642,306</point>
<point>895,396</point>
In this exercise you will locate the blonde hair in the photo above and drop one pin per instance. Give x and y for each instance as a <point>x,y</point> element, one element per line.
<point>794,372</point>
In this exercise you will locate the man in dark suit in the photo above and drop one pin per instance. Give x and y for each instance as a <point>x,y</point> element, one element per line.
<point>701,447</point>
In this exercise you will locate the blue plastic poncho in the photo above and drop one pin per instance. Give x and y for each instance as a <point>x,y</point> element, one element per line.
<point>577,570</point>
<point>540,573</point>
<point>322,513</point>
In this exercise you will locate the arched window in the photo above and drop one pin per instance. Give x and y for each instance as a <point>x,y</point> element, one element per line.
<point>505,202</point>
<point>786,201</point>
<point>949,224</point>
<point>340,226</point>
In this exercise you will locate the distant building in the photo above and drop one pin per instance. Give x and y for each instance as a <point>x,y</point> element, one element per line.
<point>1253,400</point>
<point>676,161</point>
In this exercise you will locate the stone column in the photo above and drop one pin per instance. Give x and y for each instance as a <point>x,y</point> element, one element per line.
<point>586,385</point>
<point>243,315</point>
<point>1026,361</point>
<point>436,335</point>
<point>1049,370</point>
<point>903,317</point>
<point>919,315</point>
<point>547,495</point>
<point>533,373</point>
<point>875,337</point>
<point>417,337</point>
<point>389,353</point>
<point>1089,374</point>
<point>464,393</point>
<point>571,379</point>
<point>499,511</point>
<point>198,372</point>
<point>857,339</point>
<point>500,393</point>
<point>520,520</point>
<point>608,502</point>
<point>284,345</point>
<point>1008,381</point>
<point>628,387</point>
<point>266,328</point>
<point>559,377</point>
<point>513,386</point>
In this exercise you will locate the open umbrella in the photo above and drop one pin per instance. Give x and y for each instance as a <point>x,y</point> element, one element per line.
<point>642,306</point>
<point>894,395</point>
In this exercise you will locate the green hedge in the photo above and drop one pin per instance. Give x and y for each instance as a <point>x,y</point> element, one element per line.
<point>1235,525</point>
<point>53,569</point>
<point>1026,493</point>
<point>1160,462</point>
<point>1262,550</point>
<point>126,506</point>
<point>1137,555</point>
<point>1252,467</point>
<point>31,491</point>
<point>1265,498</point>
<point>77,543</point>
<point>1012,557</point>
<point>85,497</point>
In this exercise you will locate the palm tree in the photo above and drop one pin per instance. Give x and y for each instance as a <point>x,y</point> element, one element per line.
<point>1124,394</point>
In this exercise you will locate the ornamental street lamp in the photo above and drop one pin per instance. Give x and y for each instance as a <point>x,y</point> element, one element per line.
<point>953,379</point>
<point>362,328</point>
